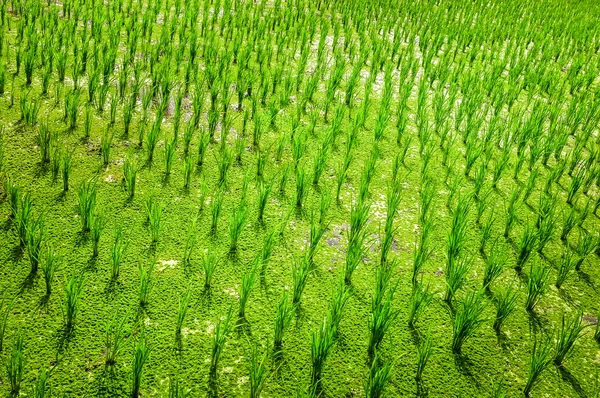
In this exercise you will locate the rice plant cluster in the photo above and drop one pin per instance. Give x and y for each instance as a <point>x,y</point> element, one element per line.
<point>328,198</point>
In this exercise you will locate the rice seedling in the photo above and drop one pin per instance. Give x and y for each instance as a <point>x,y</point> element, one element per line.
<point>564,268</point>
<point>145,283</point>
<point>236,224</point>
<point>569,222</point>
<point>4,319</point>
<point>283,316</point>
<point>317,229</point>
<point>456,274</point>
<point>96,229</point>
<point>15,366</point>
<point>419,300</point>
<point>182,310</point>
<point>383,313</point>
<point>585,246</point>
<point>468,319</point>
<point>118,251</point>
<point>377,378</point>
<point>223,165</point>
<point>209,265</point>
<point>72,301</point>
<point>35,236</point>
<point>264,190</point>
<point>66,164</point>
<point>50,263</point>
<point>569,333</point>
<point>114,333</point>
<point>46,140</point>
<point>493,266</point>
<point>526,245</point>
<point>130,170</point>
<point>215,210</point>
<point>247,285</point>
<point>536,284</point>
<point>539,360</point>
<point>337,305</point>
<point>301,186</point>
<point>154,221</point>
<point>141,355</point>
<point>300,272</point>
<point>87,203</point>
<point>222,330</point>
<point>321,342</point>
<point>41,387</point>
<point>257,372</point>
<point>13,193</point>
<point>505,305</point>
<point>169,155</point>
<point>105,143</point>
<point>511,212</point>
<point>188,167</point>
<point>423,354</point>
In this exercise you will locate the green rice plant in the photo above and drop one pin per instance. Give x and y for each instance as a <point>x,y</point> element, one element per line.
<point>493,266</point>
<point>105,143</point>
<point>24,217</point>
<point>55,162</point>
<point>118,250</point>
<point>15,366</point>
<point>383,314</point>
<point>419,300</point>
<point>505,305</point>
<point>539,360</point>
<point>283,179</point>
<point>223,165</point>
<point>264,189</point>
<point>258,374</point>
<point>300,272</point>
<point>215,210</point>
<point>203,142</point>
<point>41,387</point>
<point>569,333</point>
<point>585,246</point>
<point>141,354</point>
<point>145,283</point>
<point>337,304</point>
<point>4,319</point>
<point>354,254</point>
<point>35,235</point>
<point>176,391</point>
<point>50,263</point>
<point>500,166</point>
<point>96,229</point>
<point>209,265</point>
<point>536,285</point>
<point>468,319</point>
<point>188,168</point>
<point>46,140</point>
<point>321,342</point>
<point>564,268</point>
<point>423,354</point>
<point>130,170</point>
<point>87,122</point>
<point>378,377</point>
<point>456,275</point>
<point>222,330</point>
<point>191,240</point>
<point>13,193</point>
<point>87,203</point>
<point>66,164</point>
<point>114,336</point>
<point>569,222</point>
<point>184,302</point>
<point>152,139</point>
<point>284,313</point>
<point>247,285</point>
<point>301,186</point>
<point>317,229</point>
<point>236,224</point>
<point>530,185</point>
<point>511,211</point>
<point>267,249</point>
<point>154,221</point>
<point>526,245</point>
<point>169,155</point>
<point>72,301</point>
<point>29,110</point>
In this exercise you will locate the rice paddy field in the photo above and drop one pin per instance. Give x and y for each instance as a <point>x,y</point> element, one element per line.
<point>277,198</point>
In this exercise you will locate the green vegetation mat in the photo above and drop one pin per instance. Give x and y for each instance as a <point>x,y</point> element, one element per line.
<point>299,198</point>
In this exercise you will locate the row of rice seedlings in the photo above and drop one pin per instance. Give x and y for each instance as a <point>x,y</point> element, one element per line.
<point>457,264</point>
